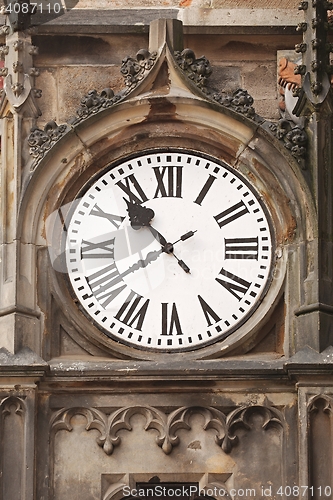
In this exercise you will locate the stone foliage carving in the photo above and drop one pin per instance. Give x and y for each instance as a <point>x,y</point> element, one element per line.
<point>199,70</point>
<point>239,101</point>
<point>41,141</point>
<point>93,102</point>
<point>294,138</point>
<point>135,69</point>
<point>166,425</point>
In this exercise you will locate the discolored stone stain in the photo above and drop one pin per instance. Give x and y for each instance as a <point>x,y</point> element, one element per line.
<point>161,109</point>
<point>59,187</point>
<point>195,445</point>
<point>185,3</point>
<point>290,226</point>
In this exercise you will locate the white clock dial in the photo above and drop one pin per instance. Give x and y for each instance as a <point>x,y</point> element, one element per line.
<point>169,250</point>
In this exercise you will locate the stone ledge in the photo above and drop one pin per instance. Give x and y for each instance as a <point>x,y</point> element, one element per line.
<point>195,20</point>
<point>24,363</point>
<point>158,370</point>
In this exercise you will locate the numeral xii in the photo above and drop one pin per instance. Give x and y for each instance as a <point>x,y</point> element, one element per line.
<point>169,181</point>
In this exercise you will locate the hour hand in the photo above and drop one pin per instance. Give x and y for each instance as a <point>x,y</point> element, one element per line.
<point>139,216</point>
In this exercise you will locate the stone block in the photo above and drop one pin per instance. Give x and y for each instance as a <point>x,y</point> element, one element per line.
<point>259,80</point>
<point>77,81</point>
<point>226,78</point>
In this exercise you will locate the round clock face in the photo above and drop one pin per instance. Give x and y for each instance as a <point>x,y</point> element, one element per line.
<point>169,250</point>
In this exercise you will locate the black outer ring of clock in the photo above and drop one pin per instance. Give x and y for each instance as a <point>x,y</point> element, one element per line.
<point>163,150</point>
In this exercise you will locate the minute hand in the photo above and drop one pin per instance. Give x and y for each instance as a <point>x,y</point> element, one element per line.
<point>151,256</point>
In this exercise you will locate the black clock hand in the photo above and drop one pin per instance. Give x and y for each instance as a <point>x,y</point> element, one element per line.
<point>168,248</point>
<point>185,236</point>
<point>157,235</point>
<point>139,216</point>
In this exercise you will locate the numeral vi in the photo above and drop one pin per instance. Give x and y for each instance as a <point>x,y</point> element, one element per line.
<point>170,322</point>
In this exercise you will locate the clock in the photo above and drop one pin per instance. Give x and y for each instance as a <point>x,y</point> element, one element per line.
<point>169,250</point>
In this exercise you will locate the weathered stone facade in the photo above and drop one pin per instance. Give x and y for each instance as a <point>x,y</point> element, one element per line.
<point>84,416</point>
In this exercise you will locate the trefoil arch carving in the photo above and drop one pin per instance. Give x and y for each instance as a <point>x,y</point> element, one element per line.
<point>167,425</point>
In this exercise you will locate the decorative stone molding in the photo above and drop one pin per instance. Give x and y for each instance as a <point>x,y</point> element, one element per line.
<point>319,441</point>
<point>41,141</point>
<point>10,404</point>
<point>241,418</point>
<point>19,71</point>
<point>167,425</point>
<point>323,401</point>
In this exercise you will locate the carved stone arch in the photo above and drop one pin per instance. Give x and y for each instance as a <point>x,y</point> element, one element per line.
<point>320,436</point>
<point>13,447</point>
<point>174,112</point>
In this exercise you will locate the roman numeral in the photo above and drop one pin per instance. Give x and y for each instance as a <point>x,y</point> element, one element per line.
<point>172,325</point>
<point>140,196</point>
<point>132,312</point>
<point>234,284</point>
<point>174,181</point>
<point>205,189</point>
<point>116,220</point>
<point>231,214</point>
<point>88,249</point>
<point>241,248</point>
<point>208,312</point>
<point>103,283</point>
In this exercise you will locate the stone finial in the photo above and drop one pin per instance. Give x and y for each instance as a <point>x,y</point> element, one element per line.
<point>169,31</point>
<point>315,66</point>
